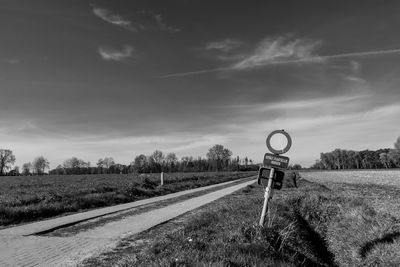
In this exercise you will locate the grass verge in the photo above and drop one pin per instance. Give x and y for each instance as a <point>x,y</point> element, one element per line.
<point>309,226</point>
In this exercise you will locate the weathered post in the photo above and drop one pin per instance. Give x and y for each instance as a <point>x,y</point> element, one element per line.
<point>273,169</point>
<point>267,195</point>
<point>162,179</point>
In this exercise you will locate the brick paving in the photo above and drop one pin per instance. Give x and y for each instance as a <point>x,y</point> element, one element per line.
<point>18,247</point>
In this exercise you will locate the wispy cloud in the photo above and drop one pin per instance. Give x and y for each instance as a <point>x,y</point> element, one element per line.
<point>354,79</point>
<point>276,50</point>
<point>282,51</point>
<point>162,25</point>
<point>225,46</point>
<point>300,104</point>
<point>111,54</point>
<point>143,21</point>
<point>115,19</point>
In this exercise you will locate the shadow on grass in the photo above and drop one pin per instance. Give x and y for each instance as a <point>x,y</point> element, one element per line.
<point>314,244</point>
<point>386,239</point>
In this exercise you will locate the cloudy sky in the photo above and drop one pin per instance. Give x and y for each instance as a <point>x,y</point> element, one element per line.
<point>118,78</point>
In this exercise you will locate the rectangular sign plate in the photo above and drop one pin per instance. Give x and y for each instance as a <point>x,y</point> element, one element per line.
<point>275,161</point>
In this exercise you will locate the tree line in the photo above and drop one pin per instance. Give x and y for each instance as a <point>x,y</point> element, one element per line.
<point>339,159</point>
<point>218,158</point>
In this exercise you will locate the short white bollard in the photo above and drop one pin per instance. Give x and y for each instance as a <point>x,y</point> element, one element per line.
<point>162,178</point>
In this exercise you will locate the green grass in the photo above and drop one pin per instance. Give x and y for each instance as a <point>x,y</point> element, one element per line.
<point>307,226</point>
<point>30,198</point>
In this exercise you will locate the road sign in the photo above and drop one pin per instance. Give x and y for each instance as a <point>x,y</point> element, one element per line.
<point>264,174</point>
<point>275,161</point>
<point>283,149</point>
<point>273,166</point>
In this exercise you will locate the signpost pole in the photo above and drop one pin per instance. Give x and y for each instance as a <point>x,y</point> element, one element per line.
<point>267,196</point>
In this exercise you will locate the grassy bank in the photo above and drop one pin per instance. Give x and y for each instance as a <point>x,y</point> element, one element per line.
<point>30,198</point>
<point>308,226</point>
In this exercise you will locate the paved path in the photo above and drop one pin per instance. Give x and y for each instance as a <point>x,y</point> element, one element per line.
<point>51,224</point>
<point>18,249</point>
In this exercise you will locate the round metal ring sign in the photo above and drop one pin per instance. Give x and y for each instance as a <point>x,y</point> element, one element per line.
<point>284,150</point>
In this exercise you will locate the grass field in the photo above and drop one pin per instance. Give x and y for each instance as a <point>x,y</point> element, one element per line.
<point>29,198</point>
<point>313,225</point>
<point>381,177</point>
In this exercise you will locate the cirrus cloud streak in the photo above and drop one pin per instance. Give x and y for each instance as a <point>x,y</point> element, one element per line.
<point>111,54</point>
<point>277,51</point>
<point>115,19</point>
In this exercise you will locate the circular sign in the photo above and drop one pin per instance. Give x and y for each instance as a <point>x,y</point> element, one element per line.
<point>279,142</point>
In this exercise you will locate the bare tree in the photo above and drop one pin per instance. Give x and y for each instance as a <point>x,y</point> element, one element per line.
<point>26,168</point>
<point>6,160</point>
<point>108,162</point>
<point>219,155</point>
<point>74,162</point>
<point>105,163</point>
<point>157,157</point>
<point>40,164</point>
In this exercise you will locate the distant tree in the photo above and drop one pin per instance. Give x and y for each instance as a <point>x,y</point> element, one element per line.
<point>26,168</point>
<point>60,170</point>
<point>296,167</point>
<point>108,162</point>
<point>14,171</point>
<point>157,157</point>
<point>73,166</point>
<point>6,160</point>
<point>100,163</point>
<point>171,158</point>
<point>105,163</point>
<point>156,161</point>
<point>74,162</point>
<point>397,144</point>
<point>318,165</point>
<point>17,171</point>
<point>394,157</point>
<point>365,159</point>
<point>220,156</point>
<point>40,164</point>
<point>186,164</point>
<point>171,161</point>
<point>140,164</point>
<point>384,158</point>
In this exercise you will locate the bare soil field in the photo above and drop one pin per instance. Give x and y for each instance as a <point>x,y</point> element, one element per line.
<point>30,198</point>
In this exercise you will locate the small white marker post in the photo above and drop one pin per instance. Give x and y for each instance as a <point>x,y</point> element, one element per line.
<point>162,178</point>
<point>267,196</point>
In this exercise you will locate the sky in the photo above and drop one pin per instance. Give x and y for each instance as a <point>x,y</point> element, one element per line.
<point>117,78</point>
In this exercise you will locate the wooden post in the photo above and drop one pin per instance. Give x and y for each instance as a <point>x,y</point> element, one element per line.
<point>267,196</point>
<point>162,178</point>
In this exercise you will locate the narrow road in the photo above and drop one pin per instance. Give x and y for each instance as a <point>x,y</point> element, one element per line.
<point>18,247</point>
